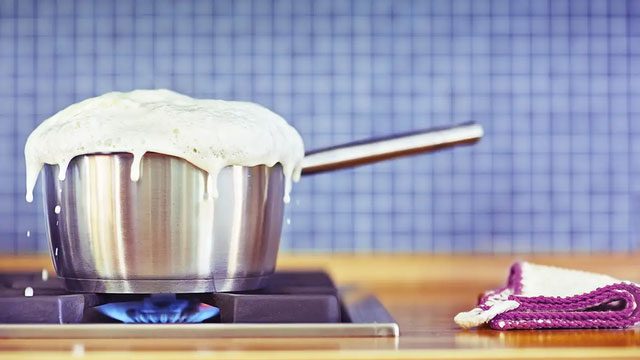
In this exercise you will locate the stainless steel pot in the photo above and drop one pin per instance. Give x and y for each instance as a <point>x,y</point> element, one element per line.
<point>159,234</point>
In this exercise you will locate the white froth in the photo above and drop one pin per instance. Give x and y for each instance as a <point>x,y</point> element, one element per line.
<point>28,291</point>
<point>211,134</point>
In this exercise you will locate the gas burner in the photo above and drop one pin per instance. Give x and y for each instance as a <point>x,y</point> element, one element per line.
<point>159,309</point>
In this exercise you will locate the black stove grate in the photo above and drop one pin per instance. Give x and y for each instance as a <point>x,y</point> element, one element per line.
<point>290,297</point>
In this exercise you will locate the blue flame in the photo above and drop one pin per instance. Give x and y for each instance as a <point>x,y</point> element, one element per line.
<point>159,309</point>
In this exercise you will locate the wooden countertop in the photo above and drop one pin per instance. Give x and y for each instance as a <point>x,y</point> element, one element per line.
<point>422,292</point>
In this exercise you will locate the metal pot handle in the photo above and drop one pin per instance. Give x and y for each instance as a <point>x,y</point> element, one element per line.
<point>374,150</point>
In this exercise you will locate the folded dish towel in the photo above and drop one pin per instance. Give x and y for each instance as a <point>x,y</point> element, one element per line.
<point>539,297</point>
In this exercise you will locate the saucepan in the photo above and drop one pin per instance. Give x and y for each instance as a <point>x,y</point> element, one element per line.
<point>108,234</point>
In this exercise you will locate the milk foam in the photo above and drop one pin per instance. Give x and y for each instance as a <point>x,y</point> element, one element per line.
<point>211,134</point>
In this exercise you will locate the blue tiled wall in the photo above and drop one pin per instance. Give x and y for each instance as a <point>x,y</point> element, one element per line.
<point>555,83</point>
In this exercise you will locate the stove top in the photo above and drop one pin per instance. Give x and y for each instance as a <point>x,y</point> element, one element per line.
<point>293,304</point>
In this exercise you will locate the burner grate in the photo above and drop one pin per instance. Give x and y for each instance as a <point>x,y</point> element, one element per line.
<point>308,297</point>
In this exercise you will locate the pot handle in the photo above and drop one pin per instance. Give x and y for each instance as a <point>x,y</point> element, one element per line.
<point>374,150</point>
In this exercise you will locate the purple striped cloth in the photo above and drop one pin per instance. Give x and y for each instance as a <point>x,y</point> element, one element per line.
<point>546,297</point>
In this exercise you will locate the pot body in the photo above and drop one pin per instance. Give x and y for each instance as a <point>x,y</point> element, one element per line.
<point>161,234</point>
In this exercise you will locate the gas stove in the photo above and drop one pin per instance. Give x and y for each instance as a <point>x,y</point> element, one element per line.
<point>293,304</point>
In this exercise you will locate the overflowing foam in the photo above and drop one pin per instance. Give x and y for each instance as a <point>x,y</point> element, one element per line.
<point>211,134</point>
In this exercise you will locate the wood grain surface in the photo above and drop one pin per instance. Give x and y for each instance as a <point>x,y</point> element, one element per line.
<point>422,292</point>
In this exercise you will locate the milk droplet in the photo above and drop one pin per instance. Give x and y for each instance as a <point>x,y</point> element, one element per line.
<point>45,275</point>
<point>28,233</point>
<point>28,291</point>
<point>57,209</point>
<point>288,221</point>
<point>62,169</point>
<point>77,350</point>
<point>297,173</point>
<point>32,171</point>
<point>56,252</point>
<point>212,186</point>
<point>287,184</point>
<point>135,166</point>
